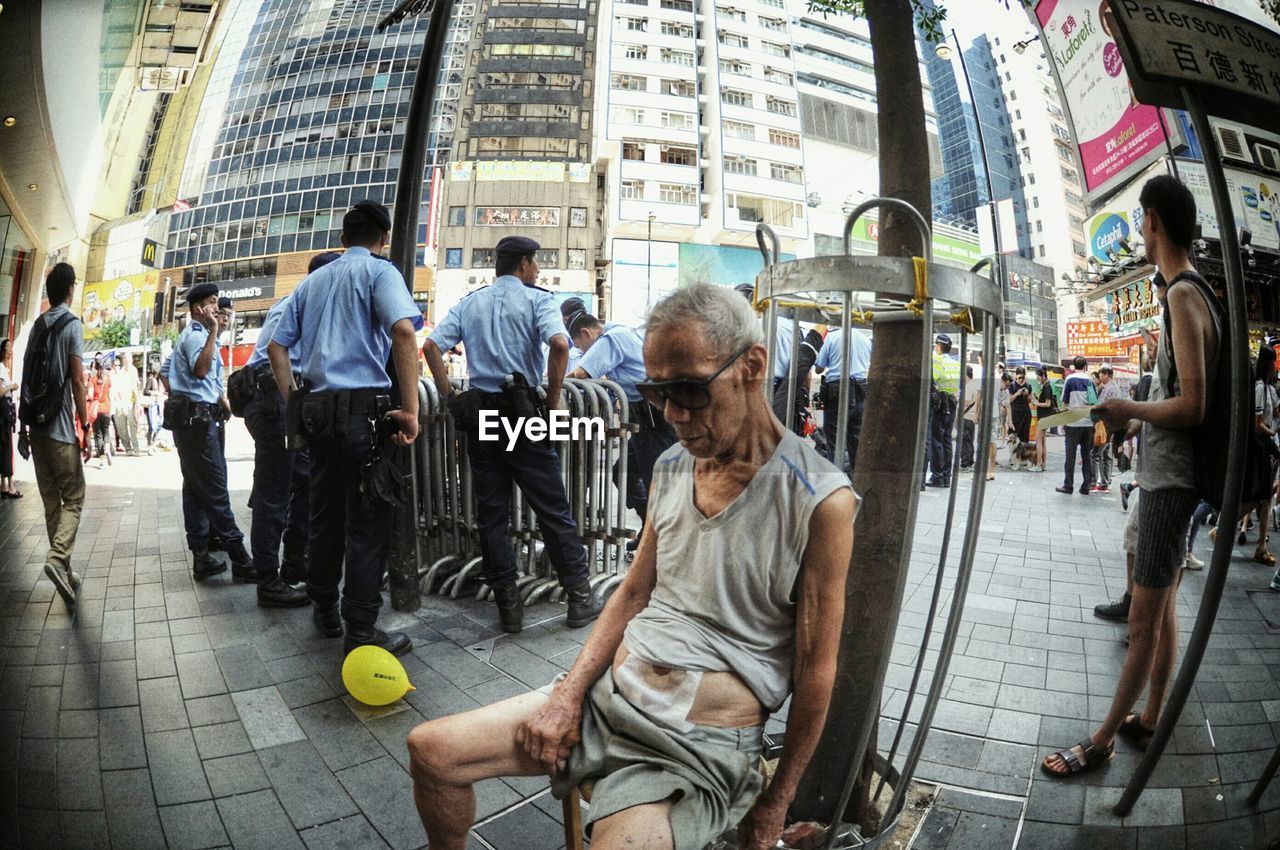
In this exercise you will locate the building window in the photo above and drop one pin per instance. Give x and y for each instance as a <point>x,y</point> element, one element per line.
<point>782,78</point>
<point>457,216</point>
<point>733,39</point>
<point>453,256</point>
<point>548,258</point>
<point>740,165</point>
<point>1039,227</point>
<point>782,137</point>
<point>680,30</point>
<point>635,24</point>
<point>677,120</point>
<point>738,129</point>
<point>778,106</point>
<point>632,190</point>
<point>628,115</point>
<point>774,24</point>
<point>776,4</point>
<point>677,193</point>
<point>786,173</point>
<point>577,216</point>
<point>732,13</point>
<point>677,57</point>
<point>635,51</point>
<point>773,49</point>
<point>577,258</point>
<point>628,82</point>
<point>735,97</point>
<point>678,5</point>
<point>679,88</point>
<point>633,151</point>
<point>735,66</point>
<point>678,156</point>
<point>1041,250</point>
<point>1031,178</point>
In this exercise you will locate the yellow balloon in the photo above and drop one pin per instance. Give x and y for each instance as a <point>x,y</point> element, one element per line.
<point>374,676</point>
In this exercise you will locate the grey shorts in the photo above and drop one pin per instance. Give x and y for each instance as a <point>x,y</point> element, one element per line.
<point>709,773</point>
<point>1164,516</point>
<point>1131,523</point>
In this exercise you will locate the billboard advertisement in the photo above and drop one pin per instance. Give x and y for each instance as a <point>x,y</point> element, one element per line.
<point>948,250</point>
<point>1115,135</point>
<point>1132,307</point>
<point>1255,202</point>
<point>726,265</point>
<point>1089,338</point>
<point>130,299</point>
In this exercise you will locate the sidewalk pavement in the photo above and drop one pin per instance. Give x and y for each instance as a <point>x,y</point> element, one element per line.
<point>173,714</point>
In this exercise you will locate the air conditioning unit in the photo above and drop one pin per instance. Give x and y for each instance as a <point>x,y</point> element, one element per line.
<point>1231,144</point>
<point>664,148</point>
<point>1267,156</point>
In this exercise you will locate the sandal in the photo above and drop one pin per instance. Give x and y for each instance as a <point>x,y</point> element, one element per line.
<point>1262,556</point>
<point>1135,733</point>
<point>1094,757</point>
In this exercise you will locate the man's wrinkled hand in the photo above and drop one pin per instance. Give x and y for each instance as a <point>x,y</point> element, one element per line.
<point>550,735</point>
<point>1115,412</point>
<point>763,824</point>
<point>407,427</point>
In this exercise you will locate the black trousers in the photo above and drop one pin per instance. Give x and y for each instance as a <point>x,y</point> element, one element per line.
<point>206,505</point>
<point>535,469</point>
<point>349,536</point>
<point>830,418</point>
<point>281,487</point>
<point>643,450</point>
<point>1081,440</point>
<point>942,421</point>
<point>967,436</point>
<point>802,403</point>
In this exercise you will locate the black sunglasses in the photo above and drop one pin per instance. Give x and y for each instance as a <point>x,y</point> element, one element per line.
<point>685,393</point>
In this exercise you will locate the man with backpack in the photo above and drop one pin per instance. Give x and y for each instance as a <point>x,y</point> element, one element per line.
<point>1188,403</point>
<point>53,398</point>
<point>1078,391</point>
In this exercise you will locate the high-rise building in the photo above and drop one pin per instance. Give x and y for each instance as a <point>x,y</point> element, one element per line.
<point>314,121</point>
<point>961,194</point>
<point>522,153</point>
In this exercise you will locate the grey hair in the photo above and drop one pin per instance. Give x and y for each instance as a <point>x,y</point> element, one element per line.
<point>726,318</point>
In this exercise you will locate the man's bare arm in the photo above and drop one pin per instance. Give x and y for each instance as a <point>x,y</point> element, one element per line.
<point>435,364</point>
<point>579,372</point>
<point>557,365</point>
<point>819,617</point>
<point>78,391</point>
<point>550,735</point>
<point>281,368</point>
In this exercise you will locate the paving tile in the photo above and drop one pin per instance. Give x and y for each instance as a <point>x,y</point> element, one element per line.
<point>203,711</point>
<point>337,735</point>
<point>192,826</point>
<point>79,780</point>
<point>235,775</point>
<point>257,822</point>
<point>342,834</point>
<point>222,739</point>
<point>307,790</point>
<point>131,809</point>
<point>117,683</point>
<point>40,718</point>
<point>384,792</point>
<point>85,830</point>
<point>175,768</point>
<point>525,826</point>
<point>154,656</point>
<point>242,668</point>
<point>39,828</point>
<point>120,737</point>
<point>199,674</point>
<point>78,724</point>
<point>308,691</point>
<point>267,720</point>
<point>162,705</point>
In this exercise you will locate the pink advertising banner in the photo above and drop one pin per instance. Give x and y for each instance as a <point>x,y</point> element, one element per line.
<point>1116,135</point>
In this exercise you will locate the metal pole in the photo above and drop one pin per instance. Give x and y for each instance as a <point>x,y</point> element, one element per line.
<point>648,267</point>
<point>403,560</point>
<point>1216,578</point>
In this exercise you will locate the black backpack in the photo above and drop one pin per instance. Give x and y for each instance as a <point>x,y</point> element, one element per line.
<point>42,393</point>
<point>1213,435</point>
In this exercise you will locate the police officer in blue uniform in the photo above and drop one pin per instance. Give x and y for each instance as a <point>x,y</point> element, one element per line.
<point>281,478</point>
<point>617,351</point>
<point>569,308</point>
<point>849,383</point>
<point>810,342</point>
<point>342,322</point>
<point>504,327</point>
<point>194,413</point>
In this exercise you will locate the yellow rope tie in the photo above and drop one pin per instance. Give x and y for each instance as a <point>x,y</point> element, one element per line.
<point>916,305</point>
<point>964,318</point>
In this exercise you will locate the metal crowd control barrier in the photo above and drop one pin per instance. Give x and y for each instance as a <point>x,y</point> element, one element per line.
<point>858,289</point>
<point>446,512</point>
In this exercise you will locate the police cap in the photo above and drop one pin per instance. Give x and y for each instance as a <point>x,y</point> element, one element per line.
<point>200,292</point>
<point>570,306</point>
<point>945,339</point>
<point>375,212</point>
<point>748,290</point>
<point>518,245</point>
<point>321,260</point>
<point>224,303</point>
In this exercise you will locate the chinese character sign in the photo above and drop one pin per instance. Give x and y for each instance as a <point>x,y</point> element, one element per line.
<point>1116,134</point>
<point>1089,338</point>
<point>517,216</point>
<point>1131,307</point>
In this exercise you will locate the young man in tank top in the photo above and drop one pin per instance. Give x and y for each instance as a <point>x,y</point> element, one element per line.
<point>1176,405</point>
<point>734,601</point>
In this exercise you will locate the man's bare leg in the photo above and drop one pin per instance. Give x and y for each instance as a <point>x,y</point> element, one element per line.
<point>1147,613</point>
<point>449,755</point>
<point>646,827</point>
<point>1165,656</point>
<point>1128,573</point>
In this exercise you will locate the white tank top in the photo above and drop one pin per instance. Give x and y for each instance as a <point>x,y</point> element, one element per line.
<point>725,598</point>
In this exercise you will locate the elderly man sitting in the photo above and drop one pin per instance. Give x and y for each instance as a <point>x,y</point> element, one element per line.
<point>734,601</point>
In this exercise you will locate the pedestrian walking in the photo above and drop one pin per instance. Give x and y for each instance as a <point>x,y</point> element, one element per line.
<point>8,421</point>
<point>98,399</point>
<point>124,405</point>
<point>504,327</point>
<point>1077,392</point>
<point>1046,405</point>
<point>1265,401</point>
<point>1103,455</point>
<point>1020,396</point>
<point>53,400</point>
<point>843,381</point>
<point>969,425</point>
<point>152,404</point>
<point>618,352</point>
<point>345,320</point>
<point>193,412</point>
<point>1168,457</point>
<point>942,411</point>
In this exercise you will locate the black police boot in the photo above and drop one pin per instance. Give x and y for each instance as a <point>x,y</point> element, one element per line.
<point>274,593</point>
<point>510,607</point>
<point>216,544</point>
<point>397,643</point>
<point>328,621</point>
<point>583,605</point>
<point>205,565</point>
<point>242,569</point>
<point>293,568</point>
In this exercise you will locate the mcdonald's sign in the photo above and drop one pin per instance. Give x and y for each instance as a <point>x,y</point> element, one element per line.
<point>149,248</point>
